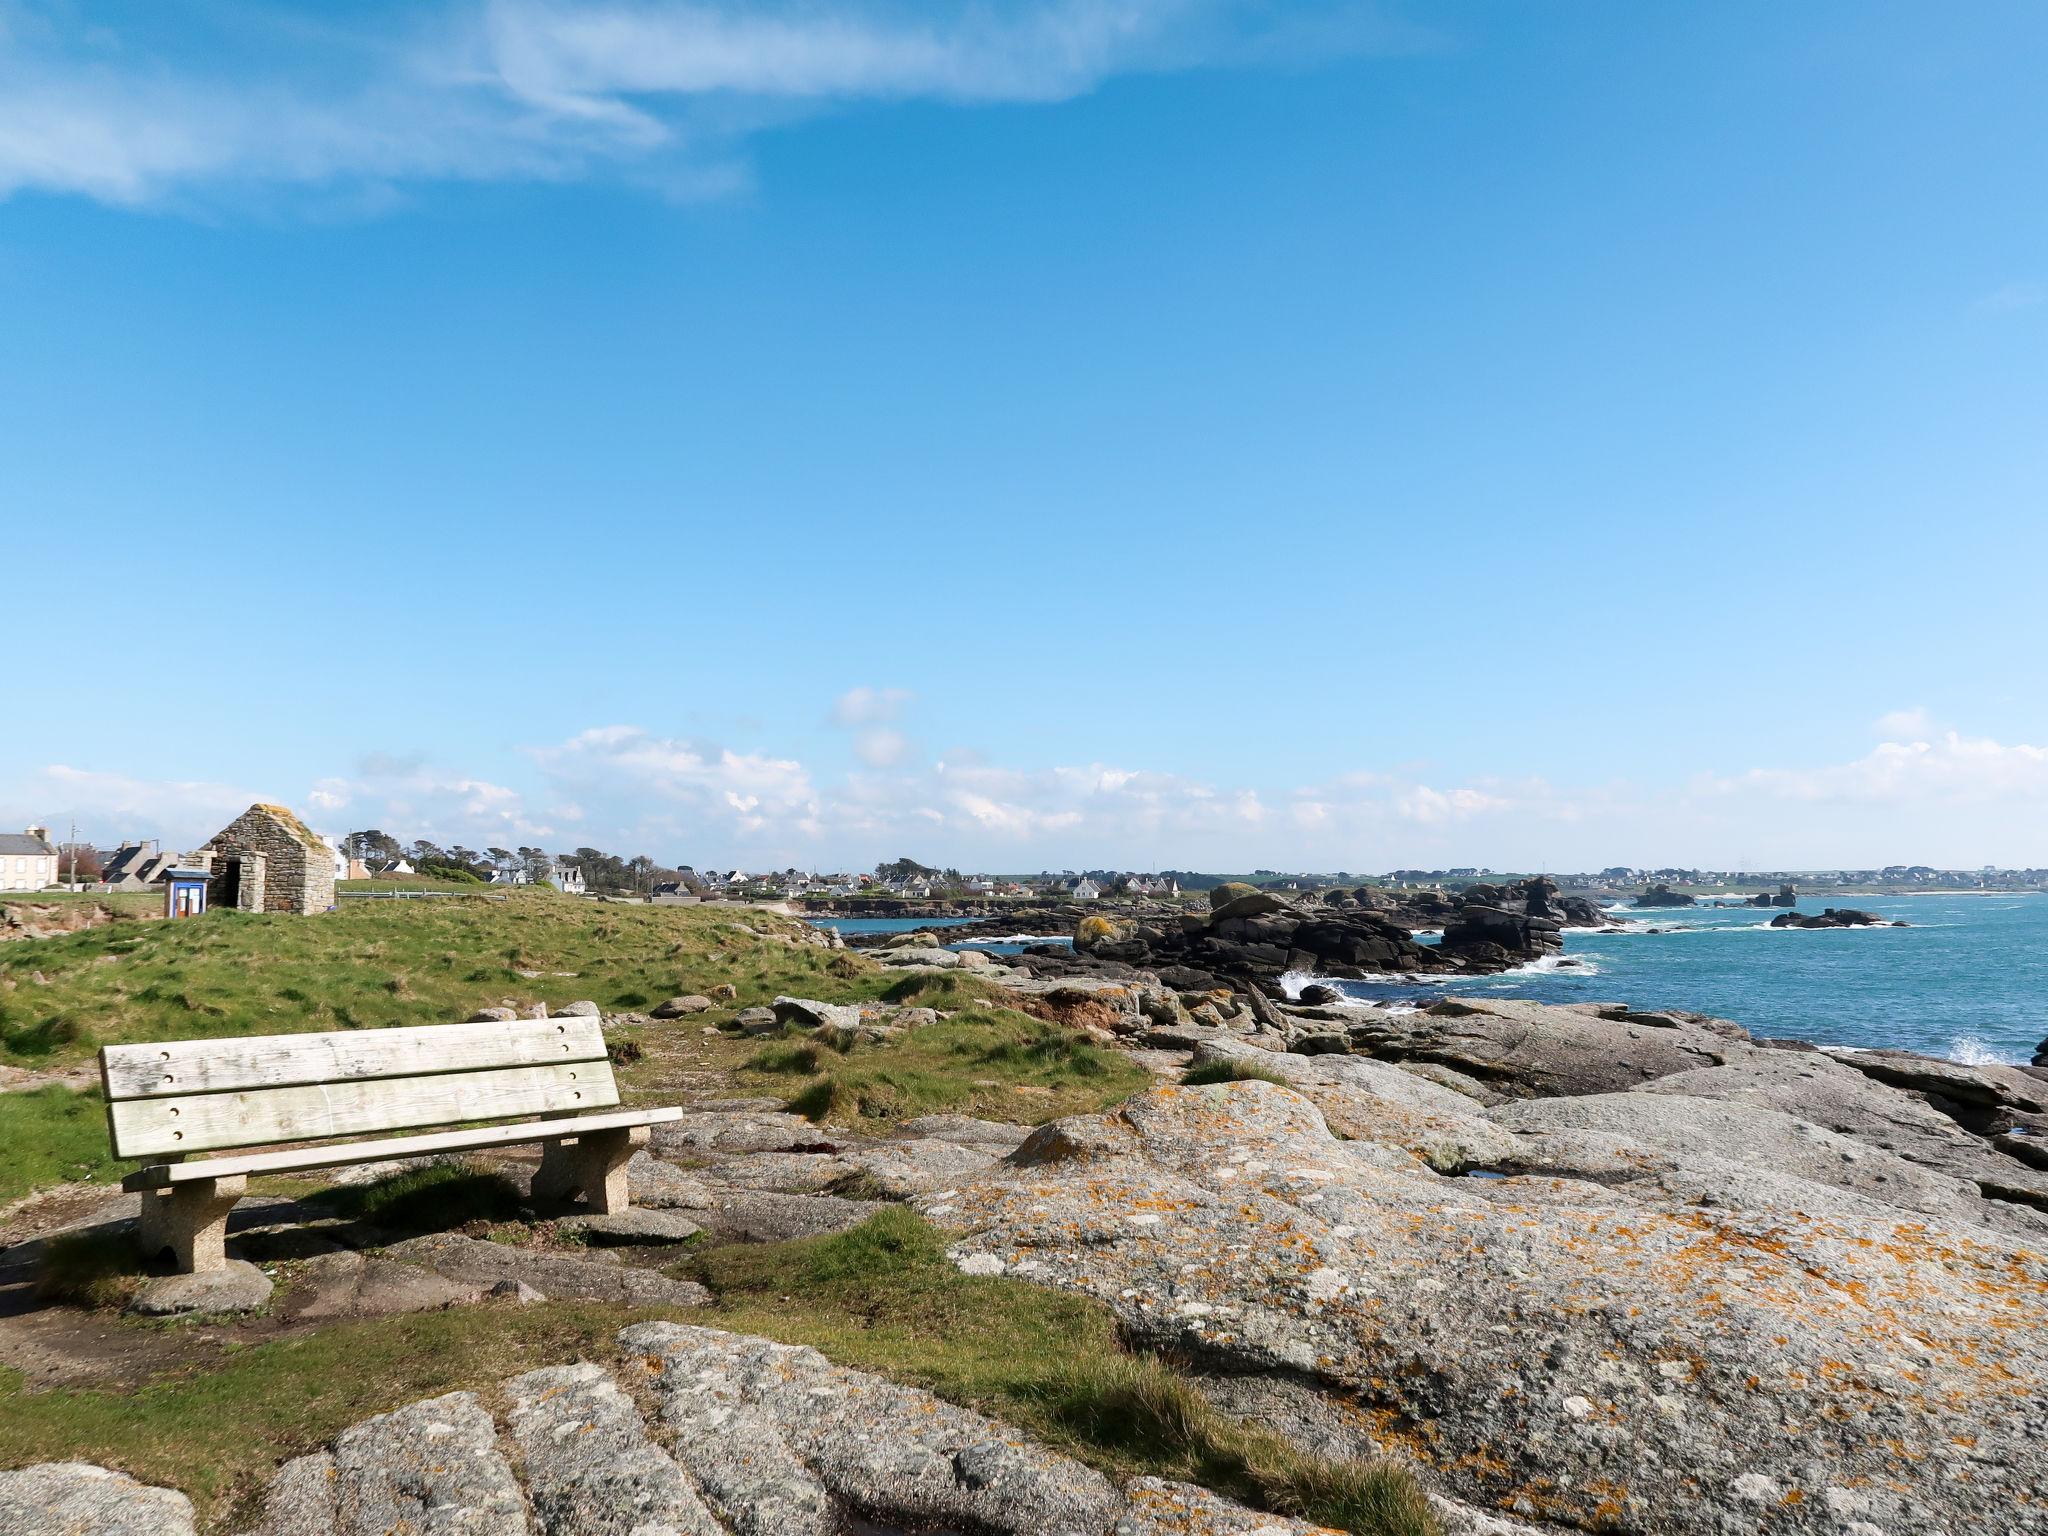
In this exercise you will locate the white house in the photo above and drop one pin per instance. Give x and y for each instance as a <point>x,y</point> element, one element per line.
<point>1084,889</point>
<point>28,860</point>
<point>567,878</point>
<point>340,858</point>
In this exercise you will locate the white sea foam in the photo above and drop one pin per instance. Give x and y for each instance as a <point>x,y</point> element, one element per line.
<point>1976,1051</point>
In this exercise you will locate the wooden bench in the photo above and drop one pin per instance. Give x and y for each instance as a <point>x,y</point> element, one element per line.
<point>169,1101</point>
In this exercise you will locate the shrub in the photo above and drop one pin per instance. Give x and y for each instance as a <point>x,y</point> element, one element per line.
<point>1232,1071</point>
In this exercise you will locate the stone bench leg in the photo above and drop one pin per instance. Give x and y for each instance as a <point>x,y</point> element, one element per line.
<point>593,1166</point>
<point>191,1220</point>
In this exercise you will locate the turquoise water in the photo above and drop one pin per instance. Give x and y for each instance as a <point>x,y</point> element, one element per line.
<point>1968,980</point>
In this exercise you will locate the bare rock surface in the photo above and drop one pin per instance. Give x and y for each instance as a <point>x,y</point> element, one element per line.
<point>1532,1050</point>
<point>1376,1101</point>
<point>629,1228</point>
<point>70,1498</point>
<point>237,1286</point>
<point>814,1432</point>
<point>808,1013</point>
<point>790,1173</point>
<point>762,1216</point>
<point>595,1276</point>
<point>339,1285</point>
<point>708,1134</point>
<point>300,1498</point>
<point>591,1467</point>
<point>654,1184</point>
<point>1762,1138</point>
<point>1797,1360</point>
<point>968,1131</point>
<point>433,1468</point>
<point>897,1170</point>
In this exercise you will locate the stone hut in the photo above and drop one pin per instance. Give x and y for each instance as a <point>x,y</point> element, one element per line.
<point>267,860</point>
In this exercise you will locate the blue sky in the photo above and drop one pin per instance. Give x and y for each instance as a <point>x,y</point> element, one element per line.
<point>1158,432</point>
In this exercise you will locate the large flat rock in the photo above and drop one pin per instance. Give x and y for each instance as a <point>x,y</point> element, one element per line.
<point>1687,1129</point>
<point>1629,1360</point>
<point>1531,1050</point>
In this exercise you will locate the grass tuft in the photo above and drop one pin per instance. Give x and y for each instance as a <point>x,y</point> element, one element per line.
<point>941,989</point>
<point>99,1270</point>
<point>435,1198</point>
<point>1141,1408</point>
<point>1232,1072</point>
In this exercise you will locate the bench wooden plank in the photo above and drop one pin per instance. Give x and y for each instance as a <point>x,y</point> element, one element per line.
<point>175,1067</point>
<point>340,1154</point>
<point>315,1111</point>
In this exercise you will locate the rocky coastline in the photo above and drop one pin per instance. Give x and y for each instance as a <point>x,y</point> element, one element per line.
<point>1246,940</point>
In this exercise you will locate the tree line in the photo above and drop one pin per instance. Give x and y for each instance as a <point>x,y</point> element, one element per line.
<point>603,872</point>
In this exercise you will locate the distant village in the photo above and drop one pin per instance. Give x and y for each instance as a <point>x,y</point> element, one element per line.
<point>268,858</point>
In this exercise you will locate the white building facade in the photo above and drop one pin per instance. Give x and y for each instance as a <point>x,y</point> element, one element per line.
<point>28,860</point>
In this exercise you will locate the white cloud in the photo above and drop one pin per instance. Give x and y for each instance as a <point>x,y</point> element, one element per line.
<point>1913,724</point>
<point>134,110</point>
<point>869,706</point>
<point>1950,770</point>
<point>113,807</point>
<point>684,790</point>
<point>881,747</point>
<point>1933,795</point>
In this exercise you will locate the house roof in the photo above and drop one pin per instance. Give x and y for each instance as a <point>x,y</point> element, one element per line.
<point>22,842</point>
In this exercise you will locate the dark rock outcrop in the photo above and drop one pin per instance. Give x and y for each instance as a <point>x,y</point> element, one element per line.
<point>1250,938</point>
<point>1662,896</point>
<point>1833,917</point>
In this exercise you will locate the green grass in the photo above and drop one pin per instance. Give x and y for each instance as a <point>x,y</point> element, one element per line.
<point>432,1198</point>
<point>374,964</point>
<point>371,964</point>
<point>987,1061</point>
<point>52,1135</point>
<point>1232,1072</point>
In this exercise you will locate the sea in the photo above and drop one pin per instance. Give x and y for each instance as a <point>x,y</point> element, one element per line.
<point>1966,979</point>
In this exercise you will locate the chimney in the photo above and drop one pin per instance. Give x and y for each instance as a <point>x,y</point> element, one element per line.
<point>42,832</point>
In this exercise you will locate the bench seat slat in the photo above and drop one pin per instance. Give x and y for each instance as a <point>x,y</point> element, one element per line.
<point>171,1068</point>
<point>207,1122</point>
<point>340,1154</point>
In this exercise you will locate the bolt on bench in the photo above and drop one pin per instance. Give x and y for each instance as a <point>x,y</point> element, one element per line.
<point>168,1101</point>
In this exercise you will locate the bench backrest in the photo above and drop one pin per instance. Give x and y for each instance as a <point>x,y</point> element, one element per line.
<point>180,1096</point>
